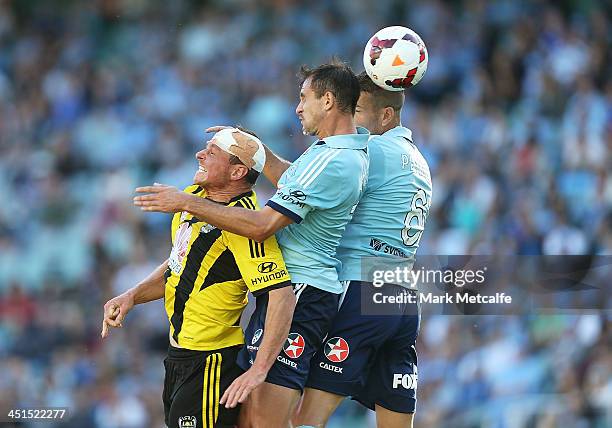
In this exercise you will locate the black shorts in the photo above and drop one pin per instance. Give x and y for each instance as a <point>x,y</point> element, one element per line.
<point>371,358</point>
<point>195,382</point>
<point>314,311</point>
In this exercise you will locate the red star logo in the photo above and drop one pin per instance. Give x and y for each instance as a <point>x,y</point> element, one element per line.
<point>336,350</point>
<point>294,345</point>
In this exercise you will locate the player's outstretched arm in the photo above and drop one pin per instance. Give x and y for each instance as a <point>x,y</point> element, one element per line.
<point>149,289</point>
<point>275,166</point>
<point>281,303</point>
<point>256,225</point>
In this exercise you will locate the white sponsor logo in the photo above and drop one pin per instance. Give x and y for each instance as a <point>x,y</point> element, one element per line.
<point>286,361</point>
<point>330,367</point>
<point>207,228</point>
<point>406,381</point>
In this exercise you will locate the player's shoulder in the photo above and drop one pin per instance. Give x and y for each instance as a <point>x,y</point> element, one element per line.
<point>246,200</point>
<point>395,139</point>
<point>397,143</point>
<point>319,164</point>
<point>344,166</point>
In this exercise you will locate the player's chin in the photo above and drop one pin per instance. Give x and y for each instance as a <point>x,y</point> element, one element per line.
<point>308,131</point>
<point>199,178</point>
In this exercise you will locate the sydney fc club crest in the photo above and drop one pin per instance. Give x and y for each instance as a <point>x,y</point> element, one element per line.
<point>256,336</point>
<point>294,345</point>
<point>336,349</point>
<point>187,422</point>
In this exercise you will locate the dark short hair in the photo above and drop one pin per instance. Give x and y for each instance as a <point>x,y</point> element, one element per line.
<point>252,175</point>
<point>381,97</point>
<point>337,78</point>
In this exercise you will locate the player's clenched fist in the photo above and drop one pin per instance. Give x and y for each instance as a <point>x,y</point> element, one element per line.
<point>115,311</point>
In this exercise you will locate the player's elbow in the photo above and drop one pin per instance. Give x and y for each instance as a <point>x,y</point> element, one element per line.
<point>289,296</point>
<point>263,229</point>
<point>285,297</point>
<point>266,223</point>
<point>261,233</point>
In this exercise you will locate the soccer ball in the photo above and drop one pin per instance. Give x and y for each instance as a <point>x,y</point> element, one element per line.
<point>395,58</point>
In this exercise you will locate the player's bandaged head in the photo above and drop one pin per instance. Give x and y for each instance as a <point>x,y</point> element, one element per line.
<point>246,147</point>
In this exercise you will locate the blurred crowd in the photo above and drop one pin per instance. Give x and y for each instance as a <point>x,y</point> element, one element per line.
<point>514,117</point>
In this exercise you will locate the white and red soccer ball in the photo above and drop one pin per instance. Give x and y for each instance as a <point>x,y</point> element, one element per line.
<point>395,58</point>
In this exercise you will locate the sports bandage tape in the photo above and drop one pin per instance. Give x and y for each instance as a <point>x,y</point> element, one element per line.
<point>246,147</point>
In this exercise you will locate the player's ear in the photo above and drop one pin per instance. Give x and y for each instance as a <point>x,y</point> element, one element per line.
<point>388,114</point>
<point>328,100</point>
<point>238,172</point>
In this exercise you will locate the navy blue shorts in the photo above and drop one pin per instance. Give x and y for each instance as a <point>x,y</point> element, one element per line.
<point>371,358</point>
<point>312,318</point>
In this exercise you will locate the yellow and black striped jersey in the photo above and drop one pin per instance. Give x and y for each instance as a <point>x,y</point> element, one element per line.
<point>209,272</point>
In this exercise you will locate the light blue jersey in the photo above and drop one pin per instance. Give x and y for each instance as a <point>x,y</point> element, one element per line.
<point>319,193</point>
<point>390,217</point>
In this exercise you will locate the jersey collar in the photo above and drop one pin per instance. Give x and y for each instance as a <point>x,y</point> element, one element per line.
<point>234,199</point>
<point>349,141</point>
<point>399,131</point>
<point>242,195</point>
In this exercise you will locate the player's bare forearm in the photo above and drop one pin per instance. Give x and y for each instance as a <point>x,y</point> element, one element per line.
<point>275,166</point>
<point>152,287</point>
<point>256,225</point>
<point>281,303</point>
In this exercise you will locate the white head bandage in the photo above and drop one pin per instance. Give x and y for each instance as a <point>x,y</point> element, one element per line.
<point>245,147</point>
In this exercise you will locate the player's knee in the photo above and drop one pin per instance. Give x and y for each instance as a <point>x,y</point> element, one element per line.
<point>299,421</point>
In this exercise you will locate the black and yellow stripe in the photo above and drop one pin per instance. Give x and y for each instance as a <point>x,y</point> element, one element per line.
<point>257,248</point>
<point>199,248</point>
<point>211,389</point>
<point>223,269</point>
<point>209,274</point>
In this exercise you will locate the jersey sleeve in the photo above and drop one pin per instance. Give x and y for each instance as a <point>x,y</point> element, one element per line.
<point>261,264</point>
<point>318,185</point>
